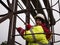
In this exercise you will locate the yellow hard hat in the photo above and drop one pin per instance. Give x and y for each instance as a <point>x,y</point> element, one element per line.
<point>40,15</point>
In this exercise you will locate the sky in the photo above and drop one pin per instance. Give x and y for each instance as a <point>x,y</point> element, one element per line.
<point>4,26</point>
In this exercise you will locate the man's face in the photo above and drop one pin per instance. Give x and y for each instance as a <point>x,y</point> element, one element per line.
<point>38,22</point>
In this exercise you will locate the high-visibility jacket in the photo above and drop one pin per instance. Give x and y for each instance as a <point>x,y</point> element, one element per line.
<point>46,30</point>
<point>39,37</point>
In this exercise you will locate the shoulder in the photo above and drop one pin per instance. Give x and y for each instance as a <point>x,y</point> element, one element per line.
<point>38,28</point>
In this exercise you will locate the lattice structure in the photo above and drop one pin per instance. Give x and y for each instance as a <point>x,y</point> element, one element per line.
<point>32,7</point>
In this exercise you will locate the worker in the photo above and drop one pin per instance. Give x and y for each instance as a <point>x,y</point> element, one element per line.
<point>37,34</point>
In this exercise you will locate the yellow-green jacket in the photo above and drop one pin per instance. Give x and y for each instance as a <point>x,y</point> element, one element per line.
<point>39,37</point>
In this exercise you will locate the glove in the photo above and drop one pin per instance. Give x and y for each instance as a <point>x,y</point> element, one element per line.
<point>28,26</point>
<point>20,30</point>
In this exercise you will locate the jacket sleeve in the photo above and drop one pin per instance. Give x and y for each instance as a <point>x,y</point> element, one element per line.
<point>47,31</point>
